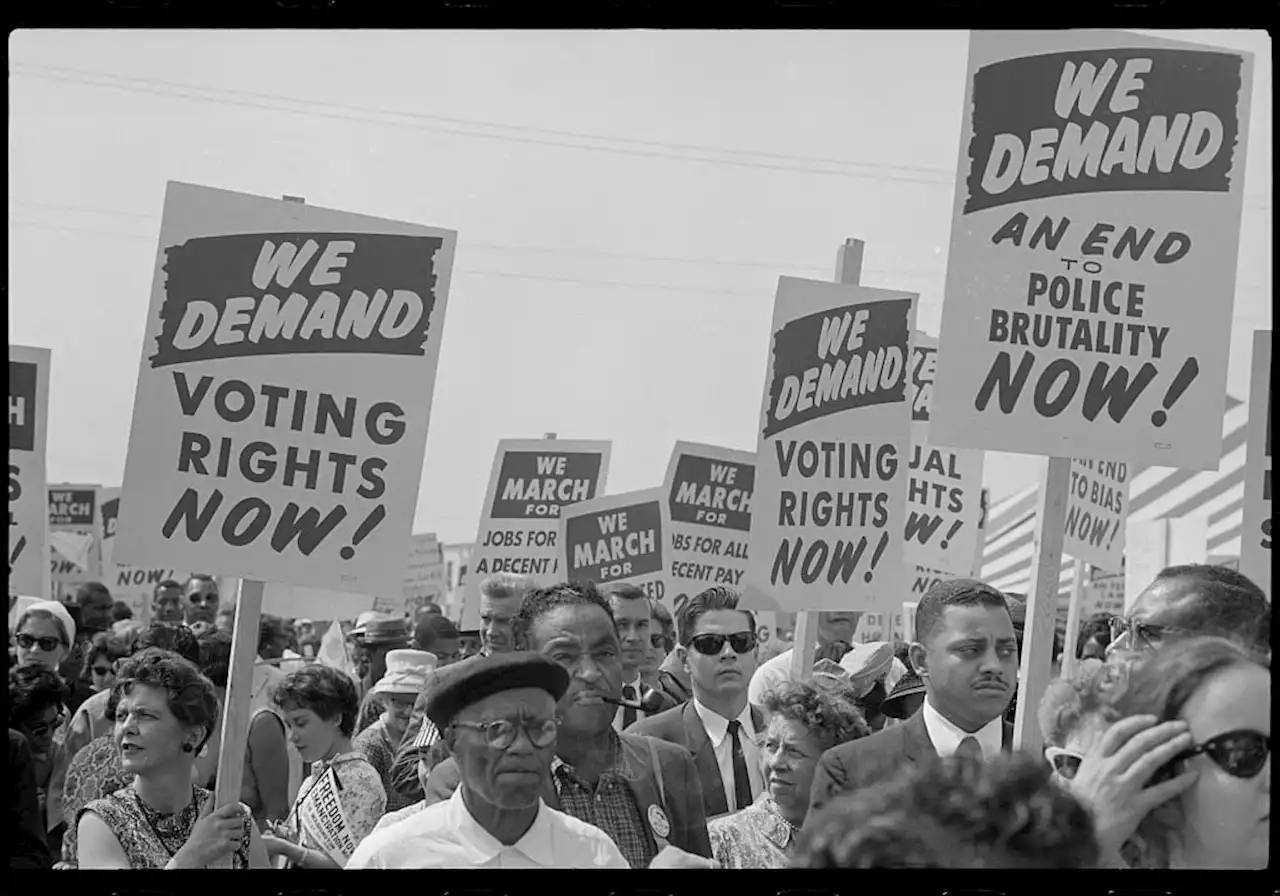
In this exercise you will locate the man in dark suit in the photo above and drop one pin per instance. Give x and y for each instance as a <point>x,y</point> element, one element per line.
<point>641,792</point>
<point>718,726</point>
<point>634,617</point>
<point>966,653</point>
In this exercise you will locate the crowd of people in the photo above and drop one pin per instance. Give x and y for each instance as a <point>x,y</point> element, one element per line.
<point>588,727</point>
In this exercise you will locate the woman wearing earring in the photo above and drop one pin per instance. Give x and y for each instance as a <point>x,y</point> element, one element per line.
<point>342,799</point>
<point>165,711</point>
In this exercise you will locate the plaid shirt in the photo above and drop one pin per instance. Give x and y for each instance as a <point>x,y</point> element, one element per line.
<point>611,806</point>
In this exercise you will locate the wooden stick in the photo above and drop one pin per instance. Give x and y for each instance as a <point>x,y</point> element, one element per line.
<point>1074,611</point>
<point>235,708</point>
<point>1042,603</point>
<point>848,270</point>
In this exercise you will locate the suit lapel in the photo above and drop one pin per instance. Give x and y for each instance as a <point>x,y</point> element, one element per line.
<point>916,743</point>
<point>704,757</point>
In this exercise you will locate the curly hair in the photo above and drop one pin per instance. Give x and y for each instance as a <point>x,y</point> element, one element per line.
<point>329,693</point>
<point>190,695</point>
<point>1067,702</point>
<point>215,657</point>
<point>541,601</point>
<point>832,718</point>
<point>1161,685</point>
<point>105,644</point>
<point>33,689</point>
<point>717,597</point>
<point>172,637</point>
<point>955,813</point>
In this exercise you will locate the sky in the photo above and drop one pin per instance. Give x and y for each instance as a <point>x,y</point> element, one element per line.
<point>625,202</point>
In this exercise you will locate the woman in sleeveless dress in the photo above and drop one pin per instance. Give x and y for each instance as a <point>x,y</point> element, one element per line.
<point>165,711</point>
<point>342,799</point>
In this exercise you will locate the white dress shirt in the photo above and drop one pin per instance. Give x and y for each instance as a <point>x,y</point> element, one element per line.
<point>717,728</point>
<point>946,736</point>
<point>446,835</point>
<point>640,713</point>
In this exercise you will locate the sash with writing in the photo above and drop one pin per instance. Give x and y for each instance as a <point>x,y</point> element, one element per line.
<point>323,821</point>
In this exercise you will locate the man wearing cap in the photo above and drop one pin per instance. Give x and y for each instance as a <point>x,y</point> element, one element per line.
<point>420,749</point>
<point>642,792</point>
<point>406,674</point>
<point>498,716</point>
<point>966,653</point>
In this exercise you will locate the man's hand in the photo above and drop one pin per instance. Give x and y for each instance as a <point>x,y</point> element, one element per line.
<point>672,857</point>
<point>1112,779</point>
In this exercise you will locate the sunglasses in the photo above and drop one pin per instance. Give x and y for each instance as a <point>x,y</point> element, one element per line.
<point>1241,754</point>
<point>502,734</point>
<point>103,670</point>
<point>44,728</point>
<point>712,645</point>
<point>1141,632</point>
<point>1064,762</point>
<point>47,644</point>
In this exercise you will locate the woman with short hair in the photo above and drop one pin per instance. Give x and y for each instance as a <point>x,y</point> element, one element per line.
<point>320,706</point>
<point>1073,714</point>
<point>106,650</point>
<point>804,721</point>
<point>37,708</point>
<point>1222,694</point>
<point>165,712</point>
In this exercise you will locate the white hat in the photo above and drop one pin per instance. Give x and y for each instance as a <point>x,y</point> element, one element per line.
<point>406,672</point>
<point>867,664</point>
<point>57,611</point>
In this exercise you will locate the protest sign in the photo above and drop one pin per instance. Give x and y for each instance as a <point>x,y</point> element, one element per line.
<point>324,821</point>
<point>1152,545</point>
<point>28,503</point>
<point>617,538</point>
<point>1097,205</point>
<point>1097,511</point>
<point>284,391</point>
<point>424,575</point>
<point>1255,534</point>
<point>707,515</point>
<point>1104,593</point>
<point>299,602</point>
<point>531,483</point>
<point>75,546</point>
<point>909,620</point>
<point>945,486</point>
<point>829,510</point>
<point>766,627</point>
<point>133,585</point>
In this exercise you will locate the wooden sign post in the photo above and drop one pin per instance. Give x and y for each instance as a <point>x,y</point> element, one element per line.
<point>848,271</point>
<point>1042,603</point>
<point>1074,612</point>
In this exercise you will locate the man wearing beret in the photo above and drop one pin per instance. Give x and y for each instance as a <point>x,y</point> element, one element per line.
<point>498,717</point>
<point>643,792</point>
<point>966,653</point>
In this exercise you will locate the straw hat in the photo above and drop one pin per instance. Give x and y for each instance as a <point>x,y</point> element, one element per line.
<point>406,672</point>
<point>381,630</point>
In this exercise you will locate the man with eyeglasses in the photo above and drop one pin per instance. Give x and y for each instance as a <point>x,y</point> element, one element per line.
<point>633,616</point>
<point>498,716</point>
<point>718,726</point>
<point>641,792</point>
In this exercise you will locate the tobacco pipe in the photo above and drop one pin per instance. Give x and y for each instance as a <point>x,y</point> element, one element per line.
<point>650,702</point>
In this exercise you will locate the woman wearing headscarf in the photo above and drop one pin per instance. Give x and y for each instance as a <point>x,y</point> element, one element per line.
<point>320,706</point>
<point>804,720</point>
<point>165,712</point>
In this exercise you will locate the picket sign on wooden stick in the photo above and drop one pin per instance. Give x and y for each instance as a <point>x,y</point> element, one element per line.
<point>1074,612</point>
<point>848,271</point>
<point>235,708</point>
<point>1042,601</point>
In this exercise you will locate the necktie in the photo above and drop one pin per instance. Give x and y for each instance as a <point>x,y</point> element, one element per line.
<point>970,748</point>
<point>741,783</point>
<point>628,712</point>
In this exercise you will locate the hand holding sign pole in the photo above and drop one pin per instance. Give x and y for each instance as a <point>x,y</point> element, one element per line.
<point>848,270</point>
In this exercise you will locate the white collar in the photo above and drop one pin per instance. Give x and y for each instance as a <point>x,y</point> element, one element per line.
<point>635,684</point>
<point>536,844</point>
<point>945,735</point>
<point>717,726</point>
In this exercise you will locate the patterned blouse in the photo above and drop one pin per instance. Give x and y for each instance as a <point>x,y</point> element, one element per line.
<point>150,838</point>
<point>611,806</point>
<point>361,794</point>
<point>378,747</point>
<point>755,837</point>
<point>95,772</point>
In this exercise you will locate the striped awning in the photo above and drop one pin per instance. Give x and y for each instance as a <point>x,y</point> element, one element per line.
<point>1154,492</point>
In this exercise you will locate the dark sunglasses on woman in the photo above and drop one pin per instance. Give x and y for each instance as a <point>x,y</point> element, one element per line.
<point>1241,754</point>
<point>48,644</point>
<point>712,644</point>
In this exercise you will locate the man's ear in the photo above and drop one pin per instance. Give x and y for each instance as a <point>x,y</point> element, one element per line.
<point>918,658</point>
